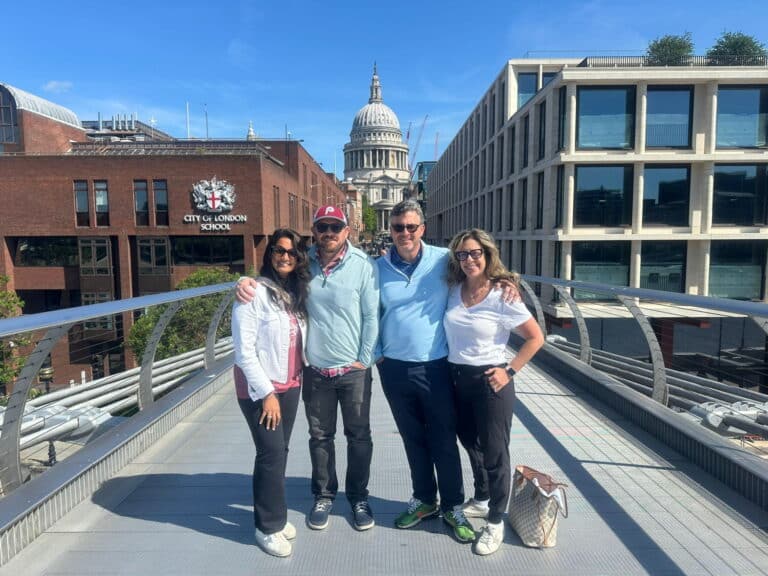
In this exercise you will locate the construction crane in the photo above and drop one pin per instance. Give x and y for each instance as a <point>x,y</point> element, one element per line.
<point>415,148</point>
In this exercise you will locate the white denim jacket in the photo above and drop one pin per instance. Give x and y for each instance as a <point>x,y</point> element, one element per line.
<point>261,335</point>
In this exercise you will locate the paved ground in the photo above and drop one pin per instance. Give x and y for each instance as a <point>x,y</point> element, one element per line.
<point>183,507</point>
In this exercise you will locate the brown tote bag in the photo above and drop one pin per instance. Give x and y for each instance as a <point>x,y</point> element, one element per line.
<point>535,505</point>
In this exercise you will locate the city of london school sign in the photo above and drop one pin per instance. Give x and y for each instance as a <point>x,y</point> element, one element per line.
<point>215,199</point>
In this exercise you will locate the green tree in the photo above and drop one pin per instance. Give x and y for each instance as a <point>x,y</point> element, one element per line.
<point>737,49</point>
<point>10,361</point>
<point>369,216</point>
<point>670,50</point>
<point>189,325</point>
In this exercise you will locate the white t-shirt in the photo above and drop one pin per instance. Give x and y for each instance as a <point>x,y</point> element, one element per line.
<point>478,335</point>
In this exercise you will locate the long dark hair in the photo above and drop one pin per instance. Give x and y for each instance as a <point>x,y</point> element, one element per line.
<point>297,282</point>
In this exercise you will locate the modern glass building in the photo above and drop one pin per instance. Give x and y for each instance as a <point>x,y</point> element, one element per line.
<point>613,171</point>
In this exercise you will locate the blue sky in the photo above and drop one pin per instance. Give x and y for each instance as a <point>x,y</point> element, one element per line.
<point>307,65</point>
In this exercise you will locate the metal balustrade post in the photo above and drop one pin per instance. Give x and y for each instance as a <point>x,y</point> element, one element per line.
<point>213,327</point>
<point>536,305</point>
<point>660,391</point>
<point>146,398</point>
<point>10,433</point>
<point>585,348</point>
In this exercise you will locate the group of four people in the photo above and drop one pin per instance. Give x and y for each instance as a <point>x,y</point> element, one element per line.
<point>436,322</point>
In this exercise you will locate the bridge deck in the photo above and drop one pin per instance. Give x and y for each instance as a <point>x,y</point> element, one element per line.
<point>183,507</point>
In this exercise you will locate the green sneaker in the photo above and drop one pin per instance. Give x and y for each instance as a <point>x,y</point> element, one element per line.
<point>416,512</point>
<point>462,529</point>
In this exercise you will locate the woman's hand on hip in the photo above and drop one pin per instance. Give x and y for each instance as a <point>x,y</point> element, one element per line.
<point>497,378</point>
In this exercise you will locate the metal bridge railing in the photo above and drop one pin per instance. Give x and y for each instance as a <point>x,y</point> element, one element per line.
<point>76,413</point>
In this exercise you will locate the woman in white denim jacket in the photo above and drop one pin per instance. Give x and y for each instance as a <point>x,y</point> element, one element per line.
<point>269,335</point>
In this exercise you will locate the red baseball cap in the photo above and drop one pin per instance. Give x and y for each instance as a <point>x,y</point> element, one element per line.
<point>330,211</point>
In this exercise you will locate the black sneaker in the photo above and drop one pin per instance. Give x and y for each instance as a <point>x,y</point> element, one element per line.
<point>363,515</point>
<point>318,516</point>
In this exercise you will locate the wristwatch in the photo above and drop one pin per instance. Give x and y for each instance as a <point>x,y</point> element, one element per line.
<point>510,372</point>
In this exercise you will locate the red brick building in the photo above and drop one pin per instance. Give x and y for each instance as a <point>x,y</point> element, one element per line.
<point>88,218</point>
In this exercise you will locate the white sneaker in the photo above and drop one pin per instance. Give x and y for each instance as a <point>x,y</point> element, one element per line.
<point>275,544</point>
<point>475,508</point>
<point>490,539</point>
<point>289,531</point>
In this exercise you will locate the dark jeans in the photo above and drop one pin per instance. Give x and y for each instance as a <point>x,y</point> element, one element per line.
<point>269,510</point>
<point>484,422</point>
<point>352,392</point>
<point>421,397</point>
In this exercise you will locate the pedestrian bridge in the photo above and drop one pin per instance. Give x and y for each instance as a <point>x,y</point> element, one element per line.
<point>167,491</point>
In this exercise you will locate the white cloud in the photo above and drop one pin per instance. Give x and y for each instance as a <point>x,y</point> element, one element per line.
<point>58,86</point>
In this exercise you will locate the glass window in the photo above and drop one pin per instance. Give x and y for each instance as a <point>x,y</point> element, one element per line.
<point>603,196</point>
<point>153,256</point>
<point>101,192</point>
<point>601,263</point>
<point>539,200</point>
<point>606,117</point>
<point>541,120</point>
<point>663,265</point>
<point>9,129</point>
<point>740,194</point>
<point>511,204</point>
<point>668,117</point>
<point>523,253</point>
<point>512,142</point>
<point>742,116</point>
<point>81,203</point>
<point>161,202</point>
<point>737,269</point>
<point>207,250</point>
<point>547,77</point>
<point>45,251</point>
<point>666,193</point>
<point>560,197</point>
<point>526,124</point>
<point>141,202</point>
<point>102,322</point>
<point>524,204</point>
<point>94,257</point>
<point>526,87</point>
<point>562,114</point>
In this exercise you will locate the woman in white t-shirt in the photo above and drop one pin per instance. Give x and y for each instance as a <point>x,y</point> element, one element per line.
<point>477,324</point>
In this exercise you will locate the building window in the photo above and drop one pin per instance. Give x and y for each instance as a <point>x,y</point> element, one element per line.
<point>603,196</point>
<point>668,117</point>
<point>740,194</point>
<point>547,77</point>
<point>305,216</point>
<point>141,202</point>
<point>666,193</point>
<point>537,260</point>
<point>742,116</point>
<point>512,142</point>
<point>556,272</point>
<point>82,212</point>
<point>523,250</point>
<point>161,202</point>
<point>9,128</point>
<point>45,251</point>
<point>541,121</point>
<point>153,256</point>
<point>499,211</point>
<point>562,116</point>
<point>600,263</point>
<point>559,196</point>
<point>526,87</point>
<point>511,204</point>
<point>540,200</point>
<point>500,160</point>
<point>605,117</point>
<point>293,212</point>
<point>94,257</point>
<point>524,204</point>
<point>526,124</point>
<point>662,265</point>
<point>737,269</point>
<point>102,322</point>
<point>276,205</point>
<point>207,251</point>
<point>101,192</point>
<point>482,169</point>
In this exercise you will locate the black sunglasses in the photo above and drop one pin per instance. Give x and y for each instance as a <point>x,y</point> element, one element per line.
<point>403,227</point>
<point>279,251</point>
<point>463,254</point>
<point>323,227</point>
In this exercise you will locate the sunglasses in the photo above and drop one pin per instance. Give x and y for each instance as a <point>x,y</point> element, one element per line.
<point>476,254</point>
<point>403,227</point>
<point>322,227</point>
<point>279,251</point>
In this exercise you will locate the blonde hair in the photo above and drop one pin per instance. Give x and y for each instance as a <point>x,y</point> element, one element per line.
<point>494,269</point>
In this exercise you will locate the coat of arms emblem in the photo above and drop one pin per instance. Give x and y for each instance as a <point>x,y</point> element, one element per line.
<point>213,195</point>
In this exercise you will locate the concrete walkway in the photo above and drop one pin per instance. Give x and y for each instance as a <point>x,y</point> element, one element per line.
<point>183,507</point>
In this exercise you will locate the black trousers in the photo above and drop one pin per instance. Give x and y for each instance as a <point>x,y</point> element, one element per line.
<point>269,509</point>
<point>322,395</point>
<point>484,422</point>
<point>421,397</point>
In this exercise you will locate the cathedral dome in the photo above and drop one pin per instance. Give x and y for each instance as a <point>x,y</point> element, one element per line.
<point>375,119</point>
